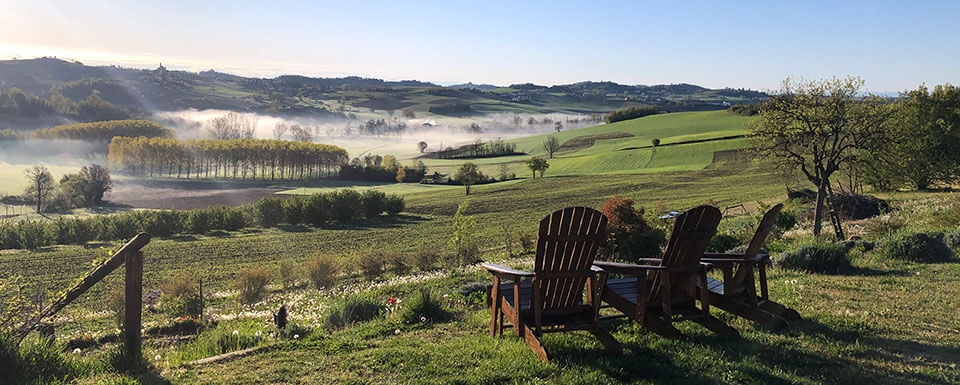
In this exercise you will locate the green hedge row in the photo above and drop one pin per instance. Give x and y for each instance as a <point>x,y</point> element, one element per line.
<point>317,209</point>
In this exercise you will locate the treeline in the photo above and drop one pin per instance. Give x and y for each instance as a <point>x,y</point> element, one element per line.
<point>382,169</point>
<point>632,113</point>
<point>225,159</point>
<point>17,102</point>
<point>317,210</point>
<point>479,149</point>
<point>105,130</point>
<point>451,109</point>
<point>745,109</point>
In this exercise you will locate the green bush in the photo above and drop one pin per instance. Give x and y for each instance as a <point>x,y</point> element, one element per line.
<point>423,306</point>
<point>161,223</point>
<point>116,300</point>
<point>396,262</point>
<point>180,297</point>
<point>33,235</point>
<point>373,202</point>
<point>293,211</point>
<point>917,247</point>
<point>251,284</point>
<point>722,242</point>
<point>394,204</point>
<point>354,308</point>
<point>269,211</point>
<point>321,270</point>
<point>316,209</point>
<point>345,205</point>
<point>816,257</point>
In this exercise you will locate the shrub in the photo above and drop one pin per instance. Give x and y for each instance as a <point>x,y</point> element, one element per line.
<point>952,239</point>
<point>855,206</point>
<point>632,113</point>
<point>394,204</point>
<point>199,221</point>
<point>269,211</point>
<point>372,202</point>
<point>251,283</point>
<point>345,205</point>
<point>883,226</point>
<point>396,263</point>
<point>423,306</point>
<point>424,259</point>
<point>815,257</point>
<point>723,242</point>
<point>288,273</point>
<point>316,209</point>
<point>33,235</point>
<point>321,270</point>
<point>631,237</point>
<point>293,211</point>
<point>161,223</point>
<point>918,247</point>
<point>180,297</point>
<point>369,264</point>
<point>350,309</point>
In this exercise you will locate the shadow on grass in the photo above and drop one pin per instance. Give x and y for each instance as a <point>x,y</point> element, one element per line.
<point>850,355</point>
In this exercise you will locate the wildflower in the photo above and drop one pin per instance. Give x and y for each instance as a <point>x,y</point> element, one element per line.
<point>446,295</point>
<point>392,301</point>
<point>235,332</point>
<point>423,319</point>
<point>157,357</point>
<point>76,351</point>
<point>296,336</point>
<point>397,332</point>
<point>258,333</point>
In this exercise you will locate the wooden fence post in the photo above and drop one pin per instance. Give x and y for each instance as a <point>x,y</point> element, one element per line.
<point>133,304</point>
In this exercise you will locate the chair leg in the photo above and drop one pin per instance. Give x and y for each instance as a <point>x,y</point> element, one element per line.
<point>533,342</point>
<point>659,326</point>
<point>495,312</point>
<point>606,339</point>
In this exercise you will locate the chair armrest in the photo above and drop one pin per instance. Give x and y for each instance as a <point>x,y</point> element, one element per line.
<point>723,255</point>
<point>506,272</point>
<point>625,268</point>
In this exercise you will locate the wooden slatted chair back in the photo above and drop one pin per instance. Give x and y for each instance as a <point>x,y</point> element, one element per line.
<point>566,246</point>
<point>691,233</point>
<point>767,224</point>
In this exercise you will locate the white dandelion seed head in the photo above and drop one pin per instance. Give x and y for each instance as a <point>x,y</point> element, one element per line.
<point>296,336</point>
<point>235,332</point>
<point>76,351</point>
<point>397,332</point>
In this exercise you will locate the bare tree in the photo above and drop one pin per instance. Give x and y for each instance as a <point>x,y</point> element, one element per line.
<point>41,185</point>
<point>558,126</point>
<point>301,134</point>
<point>422,146</point>
<point>280,129</point>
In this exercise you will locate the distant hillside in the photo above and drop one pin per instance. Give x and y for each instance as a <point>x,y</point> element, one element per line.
<point>141,92</point>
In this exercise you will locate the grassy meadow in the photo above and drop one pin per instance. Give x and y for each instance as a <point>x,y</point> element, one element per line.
<point>882,321</point>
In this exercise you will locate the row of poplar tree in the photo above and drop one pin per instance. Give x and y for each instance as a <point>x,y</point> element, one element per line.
<point>225,159</point>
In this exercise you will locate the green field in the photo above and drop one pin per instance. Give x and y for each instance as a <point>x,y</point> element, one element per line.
<point>885,321</point>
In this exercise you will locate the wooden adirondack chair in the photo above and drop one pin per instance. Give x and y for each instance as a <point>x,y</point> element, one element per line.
<point>550,299</point>
<point>665,291</point>
<point>737,293</point>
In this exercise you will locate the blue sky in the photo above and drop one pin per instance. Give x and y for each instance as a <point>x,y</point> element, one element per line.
<point>892,45</point>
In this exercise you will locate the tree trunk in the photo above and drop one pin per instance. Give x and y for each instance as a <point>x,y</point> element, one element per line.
<point>468,188</point>
<point>818,212</point>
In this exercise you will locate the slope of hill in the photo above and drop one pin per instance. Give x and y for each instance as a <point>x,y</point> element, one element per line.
<point>162,89</point>
<point>631,152</point>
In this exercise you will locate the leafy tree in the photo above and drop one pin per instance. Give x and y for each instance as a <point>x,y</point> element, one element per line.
<point>40,185</point>
<point>925,148</point>
<point>631,113</point>
<point>817,127</point>
<point>468,174</point>
<point>96,182</point>
<point>655,142</point>
<point>538,164</point>
<point>551,145</point>
<point>422,146</point>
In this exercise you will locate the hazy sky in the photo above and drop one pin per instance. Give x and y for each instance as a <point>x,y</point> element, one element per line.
<point>893,45</point>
